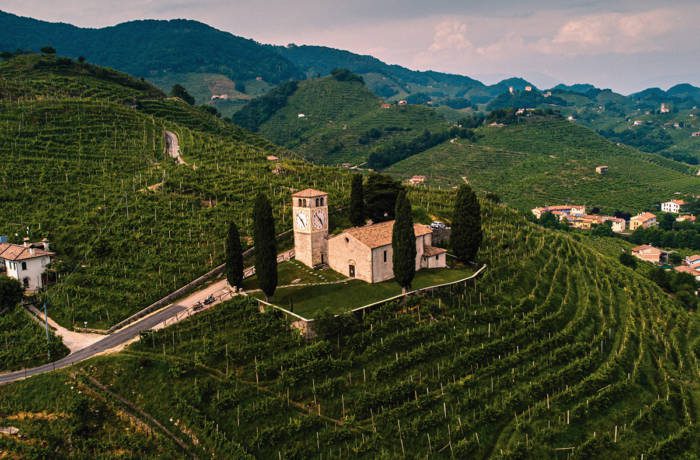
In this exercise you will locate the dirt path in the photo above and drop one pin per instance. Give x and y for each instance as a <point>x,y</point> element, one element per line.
<point>74,341</point>
<point>172,146</point>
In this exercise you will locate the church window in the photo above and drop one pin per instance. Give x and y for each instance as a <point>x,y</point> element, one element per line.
<point>385,256</point>
<point>24,265</point>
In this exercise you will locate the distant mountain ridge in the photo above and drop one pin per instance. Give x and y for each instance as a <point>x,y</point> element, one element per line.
<point>147,48</point>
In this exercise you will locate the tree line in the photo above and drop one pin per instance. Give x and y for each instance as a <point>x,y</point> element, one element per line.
<point>386,155</point>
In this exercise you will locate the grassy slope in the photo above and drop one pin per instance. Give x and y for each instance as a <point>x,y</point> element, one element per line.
<point>80,150</point>
<point>336,115</point>
<point>23,342</point>
<point>552,161</point>
<point>554,331</point>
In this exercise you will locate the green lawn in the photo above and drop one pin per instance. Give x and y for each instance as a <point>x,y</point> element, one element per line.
<point>295,272</point>
<point>309,301</point>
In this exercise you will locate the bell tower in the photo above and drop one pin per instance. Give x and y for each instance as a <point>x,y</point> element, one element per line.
<point>310,217</point>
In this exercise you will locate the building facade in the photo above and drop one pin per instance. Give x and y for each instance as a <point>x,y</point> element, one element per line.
<point>673,206</point>
<point>364,252</point>
<point>27,263</point>
<point>644,220</point>
<point>310,215</point>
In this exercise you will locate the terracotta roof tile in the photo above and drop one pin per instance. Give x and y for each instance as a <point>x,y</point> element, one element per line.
<point>308,193</point>
<point>644,216</point>
<point>378,235</point>
<point>19,252</point>
<point>430,251</point>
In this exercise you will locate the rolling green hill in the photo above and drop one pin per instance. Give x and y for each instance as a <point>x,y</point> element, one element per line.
<point>81,146</point>
<point>548,161</point>
<point>556,347</point>
<point>331,122</point>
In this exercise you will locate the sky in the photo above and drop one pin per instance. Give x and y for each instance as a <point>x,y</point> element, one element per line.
<point>620,44</point>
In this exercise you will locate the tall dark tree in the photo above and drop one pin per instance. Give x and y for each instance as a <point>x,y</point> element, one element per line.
<point>234,257</point>
<point>466,233</point>
<point>380,197</point>
<point>265,245</point>
<point>11,292</point>
<point>403,242</point>
<point>357,202</point>
<point>181,92</point>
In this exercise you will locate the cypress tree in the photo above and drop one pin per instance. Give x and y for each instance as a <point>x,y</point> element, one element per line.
<point>234,258</point>
<point>265,246</point>
<point>403,241</point>
<point>466,225</point>
<point>357,202</point>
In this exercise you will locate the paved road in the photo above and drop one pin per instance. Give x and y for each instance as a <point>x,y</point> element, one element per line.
<point>113,340</point>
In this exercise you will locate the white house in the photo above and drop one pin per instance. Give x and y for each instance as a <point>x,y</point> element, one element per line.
<point>673,206</point>
<point>26,262</point>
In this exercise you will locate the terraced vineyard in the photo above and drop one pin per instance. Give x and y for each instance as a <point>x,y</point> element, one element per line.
<point>551,161</point>
<point>337,115</point>
<point>557,351</point>
<point>23,342</point>
<point>91,173</point>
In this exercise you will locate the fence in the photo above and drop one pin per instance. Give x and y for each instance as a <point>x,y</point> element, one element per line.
<point>305,325</point>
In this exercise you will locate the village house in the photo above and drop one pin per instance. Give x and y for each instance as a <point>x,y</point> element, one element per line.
<point>644,220</point>
<point>272,158</point>
<point>26,262</point>
<point>587,221</point>
<point>695,134</point>
<point>649,253</point>
<point>386,105</point>
<point>686,218</point>
<point>403,102</point>
<point>665,108</point>
<point>416,180</point>
<point>689,270</point>
<point>673,206</point>
<point>637,123</point>
<point>603,169</point>
<point>364,252</point>
<point>693,261</point>
<point>565,210</point>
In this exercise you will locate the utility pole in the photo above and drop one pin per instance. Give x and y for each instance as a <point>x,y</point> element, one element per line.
<point>46,325</point>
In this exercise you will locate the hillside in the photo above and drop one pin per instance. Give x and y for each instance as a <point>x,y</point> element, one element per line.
<point>165,52</point>
<point>556,347</point>
<point>330,121</point>
<point>83,150</point>
<point>548,161</point>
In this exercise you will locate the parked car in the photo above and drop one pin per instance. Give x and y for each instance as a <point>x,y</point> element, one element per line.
<point>437,225</point>
<point>209,300</point>
<point>198,306</point>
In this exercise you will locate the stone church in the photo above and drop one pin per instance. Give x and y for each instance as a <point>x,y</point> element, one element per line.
<point>360,252</point>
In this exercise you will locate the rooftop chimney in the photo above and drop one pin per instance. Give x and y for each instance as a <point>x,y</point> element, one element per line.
<point>26,241</point>
<point>45,243</point>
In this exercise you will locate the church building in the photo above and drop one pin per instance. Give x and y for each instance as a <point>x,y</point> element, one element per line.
<point>360,252</point>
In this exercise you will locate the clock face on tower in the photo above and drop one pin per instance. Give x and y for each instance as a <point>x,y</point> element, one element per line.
<point>302,220</point>
<point>319,220</point>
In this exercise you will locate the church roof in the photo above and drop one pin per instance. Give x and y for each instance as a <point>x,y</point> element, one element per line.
<point>308,193</point>
<point>378,235</point>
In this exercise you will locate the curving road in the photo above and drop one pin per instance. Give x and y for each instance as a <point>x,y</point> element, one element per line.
<point>111,341</point>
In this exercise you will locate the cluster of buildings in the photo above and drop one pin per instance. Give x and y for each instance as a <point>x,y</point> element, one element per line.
<point>657,256</point>
<point>27,262</point>
<point>575,216</point>
<point>364,253</point>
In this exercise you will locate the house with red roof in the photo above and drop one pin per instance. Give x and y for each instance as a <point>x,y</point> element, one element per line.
<point>27,262</point>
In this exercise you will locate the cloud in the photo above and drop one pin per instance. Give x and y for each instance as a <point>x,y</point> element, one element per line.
<point>450,35</point>
<point>614,33</point>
